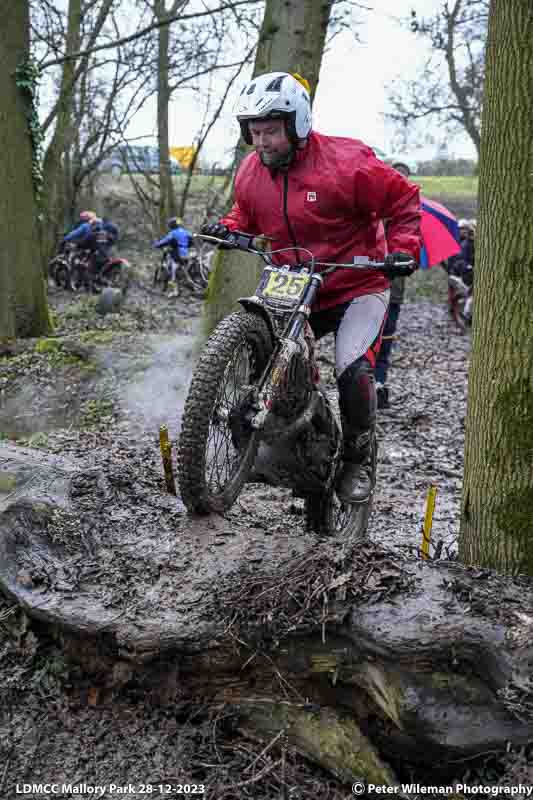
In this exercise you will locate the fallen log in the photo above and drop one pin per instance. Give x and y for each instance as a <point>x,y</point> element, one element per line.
<point>352,655</point>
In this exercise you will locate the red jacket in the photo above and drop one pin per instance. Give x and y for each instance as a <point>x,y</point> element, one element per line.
<point>334,196</point>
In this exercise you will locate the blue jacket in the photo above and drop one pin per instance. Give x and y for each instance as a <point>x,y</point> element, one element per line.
<point>178,239</point>
<point>111,230</point>
<point>79,233</point>
<point>90,236</point>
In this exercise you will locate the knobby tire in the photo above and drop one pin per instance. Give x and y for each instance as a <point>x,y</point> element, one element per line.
<point>238,331</point>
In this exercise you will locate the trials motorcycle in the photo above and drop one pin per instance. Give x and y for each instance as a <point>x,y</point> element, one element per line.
<point>255,410</point>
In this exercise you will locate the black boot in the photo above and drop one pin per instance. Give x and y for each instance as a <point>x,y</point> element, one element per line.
<point>357,477</point>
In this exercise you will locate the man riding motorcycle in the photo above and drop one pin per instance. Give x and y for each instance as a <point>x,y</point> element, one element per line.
<point>92,236</point>
<point>178,239</point>
<point>328,194</point>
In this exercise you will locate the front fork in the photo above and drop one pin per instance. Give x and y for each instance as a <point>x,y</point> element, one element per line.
<point>292,341</point>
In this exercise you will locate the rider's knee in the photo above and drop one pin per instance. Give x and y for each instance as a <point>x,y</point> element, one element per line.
<point>357,392</point>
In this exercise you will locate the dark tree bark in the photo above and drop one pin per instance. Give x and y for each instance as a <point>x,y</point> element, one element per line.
<point>23,308</point>
<point>498,489</point>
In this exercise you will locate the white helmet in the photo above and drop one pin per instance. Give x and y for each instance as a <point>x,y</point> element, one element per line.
<point>276,95</point>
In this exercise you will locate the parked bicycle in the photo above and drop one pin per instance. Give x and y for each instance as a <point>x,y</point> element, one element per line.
<point>255,410</point>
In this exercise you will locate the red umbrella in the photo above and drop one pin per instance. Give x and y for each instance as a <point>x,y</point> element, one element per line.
<point>440,233</point>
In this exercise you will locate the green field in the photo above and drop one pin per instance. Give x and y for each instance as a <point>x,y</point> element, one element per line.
<point>451,186</point>
<point>448,185</point>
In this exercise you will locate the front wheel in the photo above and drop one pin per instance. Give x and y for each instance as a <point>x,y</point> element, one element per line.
<point>217,446</point>
<point>327,515</point>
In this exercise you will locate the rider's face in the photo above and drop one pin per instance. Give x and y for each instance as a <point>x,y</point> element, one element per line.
<point>269,138</point>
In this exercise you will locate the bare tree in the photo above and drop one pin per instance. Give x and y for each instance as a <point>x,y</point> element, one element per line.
<point>450,87</point>
<point>53,165</point>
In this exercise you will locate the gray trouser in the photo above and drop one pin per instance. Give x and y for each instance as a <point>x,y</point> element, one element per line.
<point>357,326</point>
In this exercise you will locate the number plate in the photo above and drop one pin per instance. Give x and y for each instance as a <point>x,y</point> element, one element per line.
<point>277,285</point>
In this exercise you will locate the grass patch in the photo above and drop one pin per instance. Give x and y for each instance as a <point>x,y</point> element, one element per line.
<point>95,412</point>
<point>83,309</point>
<point>38,440</point>
<point>427,285</point>
<point>97,337</point>
<point>448,185</point>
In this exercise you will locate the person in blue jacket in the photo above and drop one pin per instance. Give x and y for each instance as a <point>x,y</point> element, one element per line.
<point>93,237</point>
<point>81,229</point>
<point>178,239</point>
<point>111,230</point>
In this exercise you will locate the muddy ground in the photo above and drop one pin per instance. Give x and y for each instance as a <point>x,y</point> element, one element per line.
<point>98,390</point>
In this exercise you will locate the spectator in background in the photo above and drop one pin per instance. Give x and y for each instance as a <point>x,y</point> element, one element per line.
<point>384,357</point>
<point>468,245</point>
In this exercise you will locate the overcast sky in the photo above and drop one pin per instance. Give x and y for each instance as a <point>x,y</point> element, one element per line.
<point>351,97</point>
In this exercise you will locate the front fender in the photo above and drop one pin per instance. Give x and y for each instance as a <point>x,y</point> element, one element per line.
<point>255,305</point>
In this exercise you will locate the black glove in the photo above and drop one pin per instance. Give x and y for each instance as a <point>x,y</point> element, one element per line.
<point>400,264</point>
<point>216,229</point>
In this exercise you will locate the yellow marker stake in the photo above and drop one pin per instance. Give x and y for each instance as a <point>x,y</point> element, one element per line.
<point>166,455</point>
<point>428,521</point>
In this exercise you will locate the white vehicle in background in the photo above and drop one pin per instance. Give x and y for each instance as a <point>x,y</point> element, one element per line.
<point>402,162</point>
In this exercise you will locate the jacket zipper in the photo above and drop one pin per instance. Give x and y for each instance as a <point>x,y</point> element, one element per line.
<point>285,211</point>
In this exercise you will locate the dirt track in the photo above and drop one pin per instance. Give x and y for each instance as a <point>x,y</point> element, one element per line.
<point>53,725</point>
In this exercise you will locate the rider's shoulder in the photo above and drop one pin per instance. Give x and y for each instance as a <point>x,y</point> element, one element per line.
<point>342,153</point>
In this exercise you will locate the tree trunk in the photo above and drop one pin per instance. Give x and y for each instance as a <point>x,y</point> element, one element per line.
<point>498,490</point>
<point>291,40</point>
<point>53,170</point>
<point>23,309</point>
<point>167,198</point>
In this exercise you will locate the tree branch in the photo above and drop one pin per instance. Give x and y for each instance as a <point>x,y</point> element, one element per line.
<point>148,29</point>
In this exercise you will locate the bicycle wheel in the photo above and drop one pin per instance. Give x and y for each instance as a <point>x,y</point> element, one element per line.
<point>327,515</point>
<point>217,446</point>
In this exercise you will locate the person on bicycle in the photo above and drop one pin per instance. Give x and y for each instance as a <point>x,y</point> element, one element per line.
<point>328,194</point>
<point>178,240</point>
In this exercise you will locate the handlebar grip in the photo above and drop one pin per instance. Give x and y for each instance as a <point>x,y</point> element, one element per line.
<point>243,241</point>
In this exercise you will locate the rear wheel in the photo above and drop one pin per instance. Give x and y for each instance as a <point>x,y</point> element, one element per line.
<point>217,446</point>
<point>62,276</point>
<point>327,515</point>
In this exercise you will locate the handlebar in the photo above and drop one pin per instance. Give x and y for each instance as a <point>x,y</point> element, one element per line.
<point>245,241</point>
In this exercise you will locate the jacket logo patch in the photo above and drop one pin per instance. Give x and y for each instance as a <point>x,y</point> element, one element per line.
<point>311,196</point>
